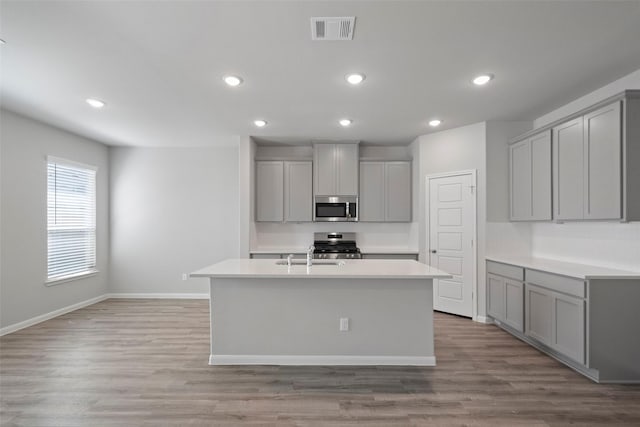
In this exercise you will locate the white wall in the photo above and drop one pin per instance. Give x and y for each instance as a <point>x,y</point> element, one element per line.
<point>608,244</point>
<point>452,150</point>
<point>24,146</point>
<point>173,210</point>
<point>370,236</point>
<point>503,237</point>
<point>630,81</point>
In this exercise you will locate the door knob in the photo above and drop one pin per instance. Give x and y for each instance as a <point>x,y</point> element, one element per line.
<point>433,251</point>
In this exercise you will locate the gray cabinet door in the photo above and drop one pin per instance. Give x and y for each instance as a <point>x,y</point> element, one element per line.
<point>413,257</point>
<point>514,304</point>
<point>541,176</point>
<point>538,310</point>
<point>520,180</point>
<point>495,296</point>
<point>602,159</point>
<point>568,172</point>
<point>324,170</point>
<point>347,161</point>
<point>568,326</point>
<point>269,191</point>
<point>298,195</point>
<point>372,192</point>
<point>398,191</point>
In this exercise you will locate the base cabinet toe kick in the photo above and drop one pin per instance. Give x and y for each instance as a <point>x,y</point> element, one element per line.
<point>590,324</point>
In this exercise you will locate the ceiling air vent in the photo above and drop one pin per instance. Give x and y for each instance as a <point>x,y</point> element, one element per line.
<point>338,28</point>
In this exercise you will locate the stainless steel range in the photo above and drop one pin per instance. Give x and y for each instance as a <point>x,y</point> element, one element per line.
<point>335,246</point>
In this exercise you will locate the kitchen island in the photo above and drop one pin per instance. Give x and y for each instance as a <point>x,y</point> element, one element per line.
<point>356,312</point>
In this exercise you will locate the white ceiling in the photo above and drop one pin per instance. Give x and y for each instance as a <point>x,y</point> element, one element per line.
<point>159,65</point>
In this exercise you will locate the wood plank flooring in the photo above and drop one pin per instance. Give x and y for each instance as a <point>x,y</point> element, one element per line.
<point>144,363</point>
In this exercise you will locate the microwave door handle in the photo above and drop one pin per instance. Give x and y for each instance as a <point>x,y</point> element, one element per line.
<point>348,210</point>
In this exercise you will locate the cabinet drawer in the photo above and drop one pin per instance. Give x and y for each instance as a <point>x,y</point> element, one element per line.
<point>505,270</point>
<point>566,285</point>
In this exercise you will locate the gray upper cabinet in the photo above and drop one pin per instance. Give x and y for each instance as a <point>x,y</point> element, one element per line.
<point>347,160</point>
<point>283,191</point>
<point>568,174</point>
<point>298,189</point>
<point>594,154</point>
<point>269,191</point>
<point>385,191</point>
<point>372,189</point>
<point>398,191</point>
<point>587,167</point>
<point>335,171</point>
<point>324,172</point>
<point>530,178</point>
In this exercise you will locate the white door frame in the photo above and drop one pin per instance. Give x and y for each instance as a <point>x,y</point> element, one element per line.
<point>474,233</point>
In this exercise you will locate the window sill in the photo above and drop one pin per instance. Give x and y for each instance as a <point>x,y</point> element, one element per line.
<point>65,279</point>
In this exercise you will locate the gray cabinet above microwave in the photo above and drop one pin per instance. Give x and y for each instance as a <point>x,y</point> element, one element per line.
<point>335,169</point>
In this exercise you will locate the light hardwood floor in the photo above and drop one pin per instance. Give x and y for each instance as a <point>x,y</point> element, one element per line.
<point>144,362</point>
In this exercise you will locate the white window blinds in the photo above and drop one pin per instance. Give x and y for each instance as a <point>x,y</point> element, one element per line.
<point>71,219</point>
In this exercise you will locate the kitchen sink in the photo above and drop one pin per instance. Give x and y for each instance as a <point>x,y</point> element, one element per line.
<point>315,262</point>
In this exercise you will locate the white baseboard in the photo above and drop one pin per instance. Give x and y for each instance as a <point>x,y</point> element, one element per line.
<point>243,359</point>
<point>158,295</point>
<point>484,319</point>
<point>55,313</point>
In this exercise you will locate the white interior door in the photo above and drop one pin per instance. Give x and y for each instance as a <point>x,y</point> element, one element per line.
<point>451,241</point>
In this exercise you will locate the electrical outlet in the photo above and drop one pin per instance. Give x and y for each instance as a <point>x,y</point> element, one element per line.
<point>344,324</point>
<point>185,276</point>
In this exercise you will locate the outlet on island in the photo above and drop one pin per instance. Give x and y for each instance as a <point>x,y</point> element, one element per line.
<point>344,324</point>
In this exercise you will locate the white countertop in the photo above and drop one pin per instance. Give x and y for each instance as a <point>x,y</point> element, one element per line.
<point>579,271</point>
<point>352,269</point>
<point>363,249</point>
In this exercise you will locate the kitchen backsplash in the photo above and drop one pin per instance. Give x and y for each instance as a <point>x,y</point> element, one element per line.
<point>300,235</point>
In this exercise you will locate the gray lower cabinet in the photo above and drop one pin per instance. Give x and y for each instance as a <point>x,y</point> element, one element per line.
<point>513,304</point>
<point>530,178</point>
<point>265,256</point>
<point>590,325</point>
<point>556,320</point>
<point>385,191</point>
<point>505,297</point>
<point>411,256</point>
<point>283,191</point>
<point>538,309</point>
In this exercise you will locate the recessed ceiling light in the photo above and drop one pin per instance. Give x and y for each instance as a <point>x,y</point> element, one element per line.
<point>355,79</point>
<point>232,80</point>
<point>260,123</point>
<point>96,103</point>
<point>483,79</point>
<point>345,122</point>
<point>435,122</point>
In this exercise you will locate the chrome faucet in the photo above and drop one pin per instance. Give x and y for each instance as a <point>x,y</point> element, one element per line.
<point>289,258</point>
<point>310,255</point>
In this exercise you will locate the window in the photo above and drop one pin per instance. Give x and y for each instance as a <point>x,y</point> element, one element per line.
<point>71,219</point>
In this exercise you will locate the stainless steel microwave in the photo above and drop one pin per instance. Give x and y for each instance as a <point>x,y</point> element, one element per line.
<point>335,208</point>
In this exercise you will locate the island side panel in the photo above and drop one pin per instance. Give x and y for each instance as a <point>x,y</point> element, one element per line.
<point>614,330</point>
<point>296,321</point>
